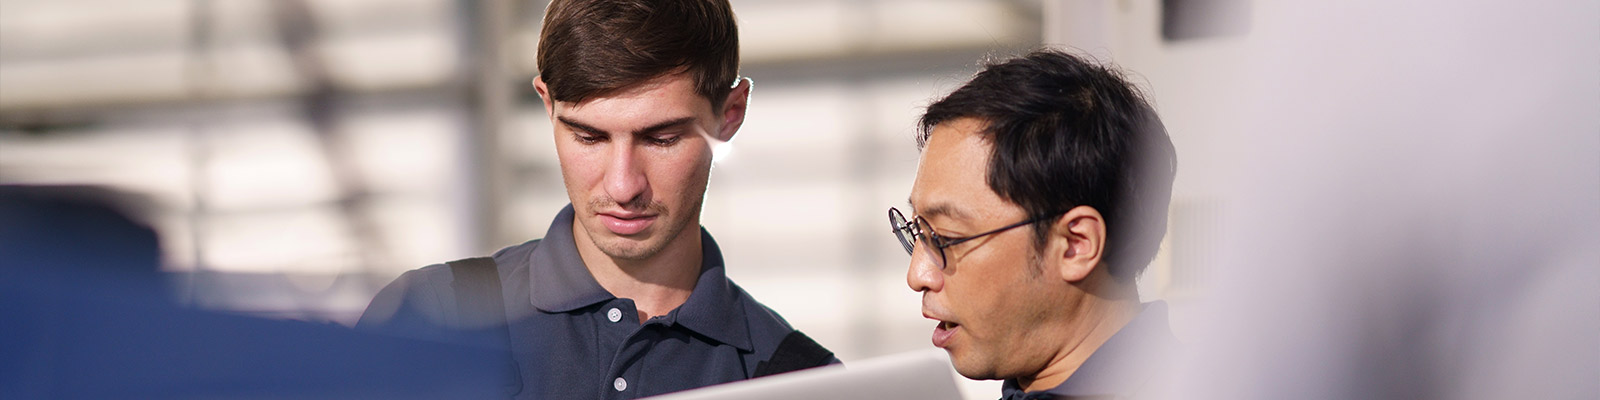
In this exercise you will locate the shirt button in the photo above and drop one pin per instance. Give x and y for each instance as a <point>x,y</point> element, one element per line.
<point>619,384</point>
<point>615,315</point>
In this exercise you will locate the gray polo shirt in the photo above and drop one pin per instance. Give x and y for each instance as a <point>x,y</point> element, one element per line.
<point>571,339</point>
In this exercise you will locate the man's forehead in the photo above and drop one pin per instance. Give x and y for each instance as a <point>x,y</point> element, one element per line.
<point>628,111</point>
<point>952,174</point>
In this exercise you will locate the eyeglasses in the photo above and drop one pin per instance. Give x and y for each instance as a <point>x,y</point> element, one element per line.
<point>917,230</point>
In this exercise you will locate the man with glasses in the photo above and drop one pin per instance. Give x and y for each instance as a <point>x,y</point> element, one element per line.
<point>626,295</point>
<point>1041,194</point>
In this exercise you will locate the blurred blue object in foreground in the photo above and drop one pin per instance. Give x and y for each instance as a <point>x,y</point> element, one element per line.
<point>83,314</point>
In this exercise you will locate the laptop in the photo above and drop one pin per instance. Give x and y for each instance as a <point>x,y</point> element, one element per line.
<point>923,374</point>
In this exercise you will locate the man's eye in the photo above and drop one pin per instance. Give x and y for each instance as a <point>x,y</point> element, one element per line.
<point>663,140</point>
<point>588,139</point>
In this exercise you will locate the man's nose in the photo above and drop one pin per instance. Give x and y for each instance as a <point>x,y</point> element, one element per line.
<point>923,274</point>
<point>625,180</point>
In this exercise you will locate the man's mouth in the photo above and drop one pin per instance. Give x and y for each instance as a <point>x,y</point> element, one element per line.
<point>625,224</point>
<point>943,332</point>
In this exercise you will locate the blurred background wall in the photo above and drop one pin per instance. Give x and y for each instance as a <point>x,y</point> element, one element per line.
<point>303,153</point>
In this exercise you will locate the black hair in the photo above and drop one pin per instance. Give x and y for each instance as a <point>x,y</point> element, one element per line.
<point>1068,132</point>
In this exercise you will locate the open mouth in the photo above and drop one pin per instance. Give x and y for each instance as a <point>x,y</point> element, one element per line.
<point>943,332</point>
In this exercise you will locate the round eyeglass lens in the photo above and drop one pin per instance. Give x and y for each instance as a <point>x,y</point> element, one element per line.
<point>902,230</point>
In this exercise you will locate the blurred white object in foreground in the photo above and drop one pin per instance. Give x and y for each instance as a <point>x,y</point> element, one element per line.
<point>1417,208</point>
<point>923,374</point>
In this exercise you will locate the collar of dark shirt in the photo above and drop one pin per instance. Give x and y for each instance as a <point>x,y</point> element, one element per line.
<point>1119,367</point>
<point>560,283</point>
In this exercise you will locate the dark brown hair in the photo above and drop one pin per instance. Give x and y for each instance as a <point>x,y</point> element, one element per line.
<point>589,48</point>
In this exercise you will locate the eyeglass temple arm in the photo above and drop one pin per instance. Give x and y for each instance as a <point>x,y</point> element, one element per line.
<point>955,241</point>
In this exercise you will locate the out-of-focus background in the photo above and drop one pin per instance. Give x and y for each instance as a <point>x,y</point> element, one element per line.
<point>301,154</point>
<point>1388,199</point>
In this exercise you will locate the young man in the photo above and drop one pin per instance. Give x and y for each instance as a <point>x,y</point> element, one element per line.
<point>1041,193</point>
<point>625,296</point>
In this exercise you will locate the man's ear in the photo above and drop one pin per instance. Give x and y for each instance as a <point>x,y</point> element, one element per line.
<point>733,109</point>
<point>1076,243</point>
<point>544,94</point>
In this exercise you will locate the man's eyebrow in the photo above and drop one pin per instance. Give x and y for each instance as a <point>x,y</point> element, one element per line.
<point>660,126</point>
<point>938,209</point>
<point>673,123</point>
<point>582,126</point>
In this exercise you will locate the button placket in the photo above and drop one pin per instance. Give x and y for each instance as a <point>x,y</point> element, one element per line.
<point>619,340</point>
<point>628,361</point>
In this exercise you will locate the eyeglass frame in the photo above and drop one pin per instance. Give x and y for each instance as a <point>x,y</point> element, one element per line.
<point>940,242</point>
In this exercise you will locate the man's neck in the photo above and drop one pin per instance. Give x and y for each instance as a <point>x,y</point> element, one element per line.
<point>1099,315</point>
<point>657,285</point>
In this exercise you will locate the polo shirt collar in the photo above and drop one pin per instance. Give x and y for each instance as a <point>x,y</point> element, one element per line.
<point>714,308</point>
<point>556,274</point>
<point>1119,367</point>
<point>561,283</point>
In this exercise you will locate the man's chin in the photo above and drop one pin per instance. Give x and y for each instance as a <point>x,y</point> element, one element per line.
<point>965,365</point>
<point>630,249</point>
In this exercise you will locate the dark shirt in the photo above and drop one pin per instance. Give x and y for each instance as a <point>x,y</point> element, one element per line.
<point>1120,368</point>
<point>572,339</point>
